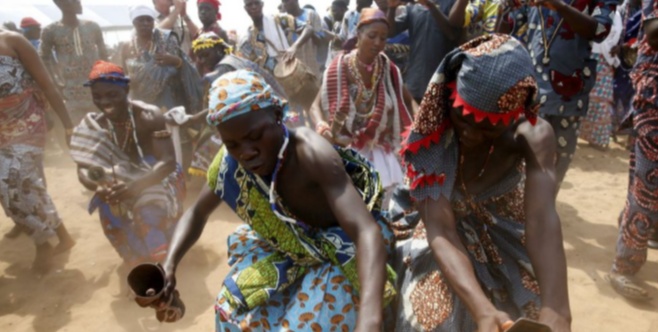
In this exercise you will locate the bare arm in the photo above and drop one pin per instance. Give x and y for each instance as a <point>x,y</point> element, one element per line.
<point>458,13</point>
<point>543,231</point>
<point>391,9</point>
<point>326,168</point>
<point>35,67</point>
<point>409,101</point>
<point>452,258</point>
<point>289,55</point>
<point>582,23</point>
<point>440,19</point>
<point>164,153</point>
<point>187,233</point>
<point>192,27</point>
<point>317,115</point>
<point>171,19</point>
<point>85,180</point>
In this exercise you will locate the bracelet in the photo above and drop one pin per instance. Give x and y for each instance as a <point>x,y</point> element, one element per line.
<point>161,134</point>
<point>322,127</point>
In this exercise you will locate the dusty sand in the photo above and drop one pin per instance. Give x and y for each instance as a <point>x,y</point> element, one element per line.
<point>84,292</point>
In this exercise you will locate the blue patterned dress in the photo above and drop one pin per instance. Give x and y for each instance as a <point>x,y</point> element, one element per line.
<point>285,276</point>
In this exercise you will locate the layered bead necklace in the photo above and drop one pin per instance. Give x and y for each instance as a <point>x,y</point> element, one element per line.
<point>129,133</point>
<point>365,96</point>
<point>272,194</point>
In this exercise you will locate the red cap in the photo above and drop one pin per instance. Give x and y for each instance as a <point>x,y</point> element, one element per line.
<point>29,22</point>
<point>214,3</point>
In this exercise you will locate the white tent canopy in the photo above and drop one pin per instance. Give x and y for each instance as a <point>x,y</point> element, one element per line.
<point>113,14</point>
<point>107,13</point>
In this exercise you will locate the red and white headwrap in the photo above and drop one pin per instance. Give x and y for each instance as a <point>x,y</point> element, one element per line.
<point>214,3</point>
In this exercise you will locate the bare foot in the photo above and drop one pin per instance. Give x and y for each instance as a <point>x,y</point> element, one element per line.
<point>14,232</point>
<point>42,262</point>
<point>17,230</point>
<point>66,242</point>
<point>63,246</point>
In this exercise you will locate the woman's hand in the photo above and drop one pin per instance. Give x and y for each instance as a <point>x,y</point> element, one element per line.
<point>164,59</point>
<point>102,193</point>
<point>123,191</point>
<point>496,321</point>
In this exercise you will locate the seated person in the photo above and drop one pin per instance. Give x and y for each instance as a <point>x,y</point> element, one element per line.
<point>314,244</point>
<point>481,168</point>
<point>125,154</point>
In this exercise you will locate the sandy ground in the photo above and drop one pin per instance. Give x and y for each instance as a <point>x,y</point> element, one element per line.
<point>85,292</point>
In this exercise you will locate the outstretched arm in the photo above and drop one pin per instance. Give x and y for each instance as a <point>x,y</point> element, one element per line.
<point>187,233</point>
<point>543,232</point>
<point>590,27</point>
<point>457,14</point>
<point>452,258</point>
<point>168,22</point>
<point>440,19</point>
<point>323,162</point>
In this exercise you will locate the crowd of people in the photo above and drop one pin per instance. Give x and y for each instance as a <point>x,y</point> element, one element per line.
<point>396,165</point>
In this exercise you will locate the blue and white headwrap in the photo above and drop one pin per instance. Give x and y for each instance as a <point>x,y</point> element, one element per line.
<point>239,92</point>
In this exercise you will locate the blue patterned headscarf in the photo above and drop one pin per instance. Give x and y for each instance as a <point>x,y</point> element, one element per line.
<point>490,77</point>
<point>239,92</point>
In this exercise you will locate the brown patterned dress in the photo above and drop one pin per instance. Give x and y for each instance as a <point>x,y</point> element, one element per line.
<point>491,226</point>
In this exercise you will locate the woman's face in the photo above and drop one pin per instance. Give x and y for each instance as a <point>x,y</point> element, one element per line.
<point>208,58</point>
<point>372,39</point>
<point>144,25</point>
<point>472,133</point>
<point>254,8</point>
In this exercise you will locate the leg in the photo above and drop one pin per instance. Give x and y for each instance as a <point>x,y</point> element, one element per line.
<point>25,199</point>
<point>566,133</point>
<point>66,242</point>
<point>640,216</point>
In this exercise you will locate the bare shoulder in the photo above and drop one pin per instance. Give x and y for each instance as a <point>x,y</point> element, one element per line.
<point>537,141</point>
<point>149,115</point>
<point>316,155</point>
<point>12,37</point>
